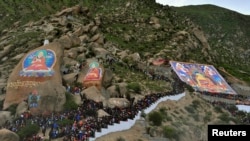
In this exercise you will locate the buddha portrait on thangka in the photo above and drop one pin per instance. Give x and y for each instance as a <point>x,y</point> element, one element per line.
<point>94,72</point>
<point>39,63</point>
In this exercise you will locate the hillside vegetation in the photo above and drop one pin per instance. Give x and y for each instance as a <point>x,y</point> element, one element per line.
<point>227,33</point>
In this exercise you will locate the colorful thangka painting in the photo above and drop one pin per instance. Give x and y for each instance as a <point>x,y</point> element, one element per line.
<point>201,77</point>
<point>39,63</point>
<point>94,72</point>
<point>33,99</point>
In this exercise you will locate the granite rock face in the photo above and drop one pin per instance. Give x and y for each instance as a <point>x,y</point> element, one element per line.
<point>37,80</point>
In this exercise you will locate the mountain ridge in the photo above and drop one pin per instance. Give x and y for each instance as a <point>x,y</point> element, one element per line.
<point>221,27</point>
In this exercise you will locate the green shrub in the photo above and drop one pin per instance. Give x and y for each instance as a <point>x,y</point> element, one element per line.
<point>12,109</point>
<point>190,109</point>
<point>195,103</point>
<point>232,108</point>
<point>164,114</point>
<point>120,139</point>
<point>28,131</point>
<point>196,117</point>
<point>155,118</point>
<point>177,124</point>
<point>207,117</point>
<point>218,109</point>
<point>134,86</point>
<point>170,132</point>
<point>224,117</point>
<point>70,103</point>
<point>163,110</point>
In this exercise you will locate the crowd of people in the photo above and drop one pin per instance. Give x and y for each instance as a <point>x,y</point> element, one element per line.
<point>85,119</point>
<point>236,98</point>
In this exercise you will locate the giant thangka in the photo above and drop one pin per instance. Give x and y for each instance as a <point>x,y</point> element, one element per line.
<point>94,75</point>
<point>38,80</point>
<point>201,77</point>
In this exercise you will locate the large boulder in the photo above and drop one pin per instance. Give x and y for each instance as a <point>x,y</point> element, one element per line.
<point>118,102</point>
<point>102,113</point>
<point>94,94</point>
<point>77,99</point>
<point>37,78</point>
<point>99,51</point>
<point>113,91</point>
<point>72,53</point>
<point>4,116</point>
<point>7,135</point>
<point>107,78</point>
<point>201,37</point>
<point>70,78</point>
<point>21,108</point>
<point>123,89</point>
<point>66,41</point>
<point>135,57</point>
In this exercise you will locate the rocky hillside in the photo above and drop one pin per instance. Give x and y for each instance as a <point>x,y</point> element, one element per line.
<point>217,28</point>
<point>124,37</point>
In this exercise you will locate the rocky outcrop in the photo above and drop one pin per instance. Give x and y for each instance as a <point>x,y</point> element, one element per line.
<point>123,89</point>
<point>118,102</point>
<point>4,116</point>
<point>7,135</point>
<point>94,94</point>
<point>21,108</point>
<point>102,113</point>
<point>107,78</point>
<point>200,35</point>
<point>70,78</point>
<point>112,90</point>
<point>38,70</point>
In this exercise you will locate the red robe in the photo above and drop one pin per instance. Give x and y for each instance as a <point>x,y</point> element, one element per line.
<point>38,64</point>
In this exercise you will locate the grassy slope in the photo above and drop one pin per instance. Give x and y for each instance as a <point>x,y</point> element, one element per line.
<point>27,10</point>
<point>225,30</point>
